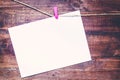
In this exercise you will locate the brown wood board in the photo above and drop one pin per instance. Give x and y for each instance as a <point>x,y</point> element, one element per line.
<point>102,32</point>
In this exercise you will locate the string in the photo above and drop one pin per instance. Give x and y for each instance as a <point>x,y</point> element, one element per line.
<point>34,8</point>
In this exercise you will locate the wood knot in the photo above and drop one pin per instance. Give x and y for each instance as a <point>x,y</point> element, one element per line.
<point>78,5</point>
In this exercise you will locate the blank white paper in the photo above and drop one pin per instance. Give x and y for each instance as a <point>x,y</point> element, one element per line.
<point>50,44</point>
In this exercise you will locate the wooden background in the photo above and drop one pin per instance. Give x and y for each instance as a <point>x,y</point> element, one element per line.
<point>103,35</point>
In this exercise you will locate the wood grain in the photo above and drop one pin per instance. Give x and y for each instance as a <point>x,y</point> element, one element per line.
<point>102,34</point>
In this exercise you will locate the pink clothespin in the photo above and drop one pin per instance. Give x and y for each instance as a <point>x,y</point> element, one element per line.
<point>56,12</point>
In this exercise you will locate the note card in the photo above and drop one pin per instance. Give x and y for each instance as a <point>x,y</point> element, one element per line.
<point>50,44</point>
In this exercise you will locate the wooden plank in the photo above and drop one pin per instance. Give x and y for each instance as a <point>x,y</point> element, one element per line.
<point>62,74</point>
<point>102,23</point>
<point>84,5</point>
<point>103,64</point>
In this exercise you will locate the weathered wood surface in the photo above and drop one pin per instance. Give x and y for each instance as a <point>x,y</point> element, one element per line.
<point>102,34</point>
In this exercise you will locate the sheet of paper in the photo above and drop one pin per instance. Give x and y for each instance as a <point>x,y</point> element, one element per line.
<point>50,44</point>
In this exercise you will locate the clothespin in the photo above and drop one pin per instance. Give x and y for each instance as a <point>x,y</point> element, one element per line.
<point>55,12</point>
